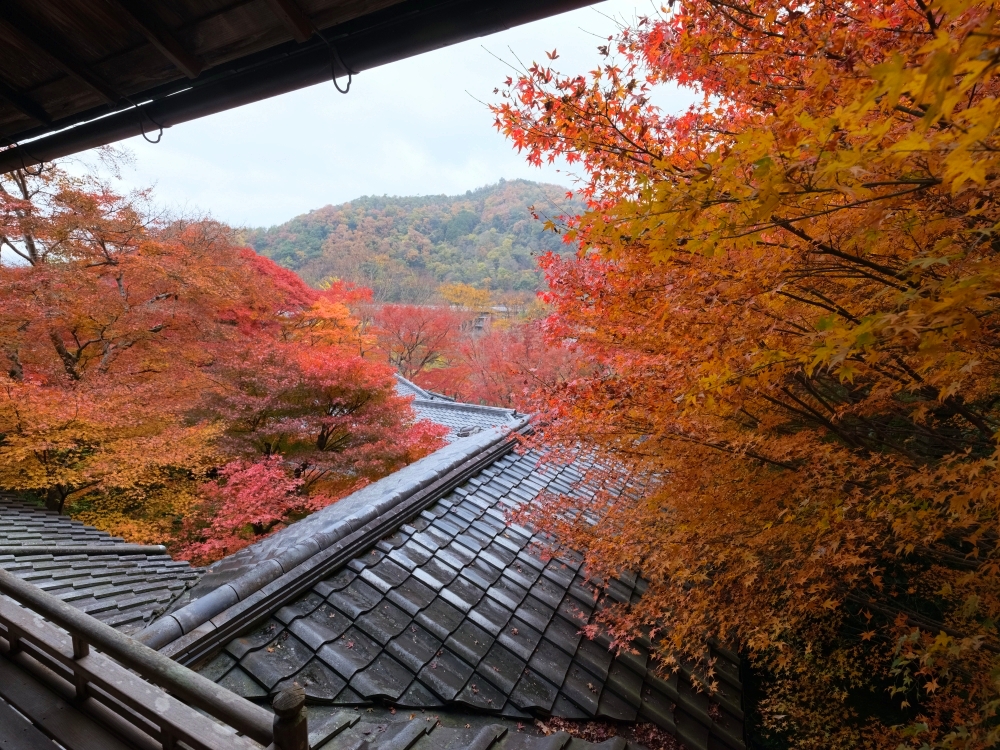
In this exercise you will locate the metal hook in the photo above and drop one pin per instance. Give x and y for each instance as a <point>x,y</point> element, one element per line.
<point>335,58</point>
<point>142,128</point>
<point>21,151</point>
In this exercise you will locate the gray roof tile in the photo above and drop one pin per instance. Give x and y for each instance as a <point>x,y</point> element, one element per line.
<point>613,707</point>
<point>470,642</point>
<point>384,622</point>
<point>418,696</point>
<point>445,674</point>
<point>440,618</point>
<point>241,646</point>
<point>352,651</point>
<point>519,637</point>
<point>460,419</point>
<point>414,647</point>
<point>242,684</point>
<point>320,626</point>
<point>411,595</point>
<point>480,694</point>
<point>534,692</point>
<point>281,658</point>
<point>491,615</point>
<point>322,684</point>
<point>299,608</point>
<point>501,667</point>
<point>384,678</point>
<point>355,599</point>
<point>550,661</point>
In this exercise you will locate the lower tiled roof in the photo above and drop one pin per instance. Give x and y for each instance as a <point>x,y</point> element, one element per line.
<point>461,419</point>
<point>124,590</point>
<point>337,729</point>
<point>459,610</point>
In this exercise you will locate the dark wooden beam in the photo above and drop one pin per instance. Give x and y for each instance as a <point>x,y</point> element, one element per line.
<point>412,27</point>
<point>34,43</point>
<point>24,104</point>
<point>159,36</point>
<point>293,17</point>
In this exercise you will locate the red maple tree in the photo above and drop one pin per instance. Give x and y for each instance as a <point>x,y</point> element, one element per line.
<point>414,338</point>
<point>144,357</point>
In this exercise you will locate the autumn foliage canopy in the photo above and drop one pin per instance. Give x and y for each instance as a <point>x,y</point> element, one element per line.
<point>790,296</point>
<point>156,375</point>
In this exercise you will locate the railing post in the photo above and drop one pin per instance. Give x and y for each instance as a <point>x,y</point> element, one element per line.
<point>14,639</point>
<point>290,729</point>
<point>80,649</point>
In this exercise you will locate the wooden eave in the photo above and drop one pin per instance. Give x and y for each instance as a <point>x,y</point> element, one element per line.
<point>75,74</point>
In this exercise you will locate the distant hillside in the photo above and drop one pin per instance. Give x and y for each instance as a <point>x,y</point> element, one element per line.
<point>403,248</point>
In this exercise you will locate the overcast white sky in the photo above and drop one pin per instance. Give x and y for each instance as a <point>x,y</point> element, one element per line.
<point>414,127</point>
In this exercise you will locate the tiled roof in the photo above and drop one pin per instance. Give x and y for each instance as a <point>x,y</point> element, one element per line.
<point>458,610</point>
<point>348,729</point>
<point>124,590</point>
<point>297,543</point>
<point>406,387</point>
<point>461,419</point>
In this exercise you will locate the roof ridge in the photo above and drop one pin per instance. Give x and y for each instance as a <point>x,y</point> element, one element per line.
<point>389,502</point>
<point>407,383</point>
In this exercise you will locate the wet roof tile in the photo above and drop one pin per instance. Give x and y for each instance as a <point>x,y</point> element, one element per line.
<point>322,684</point>
<point>384,678</point>
<point>320,626</point>
<point>470,642</point>
<point>440,618</point>
<point>501,667</point>
<point>414,647</point>
<point>412,595</point>
<point>281,658</point>
<point>534,692</point>
<point>384,622</point>
<point>445,674</point>
<point>352,651</point>
<point>550,661</point>
<point>355,599</point>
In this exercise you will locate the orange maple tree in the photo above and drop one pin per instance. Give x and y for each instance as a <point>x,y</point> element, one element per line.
<point>790,297</point>
<point>143,359</point>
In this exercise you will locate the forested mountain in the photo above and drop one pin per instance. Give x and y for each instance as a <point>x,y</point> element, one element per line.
<point>405,247</point>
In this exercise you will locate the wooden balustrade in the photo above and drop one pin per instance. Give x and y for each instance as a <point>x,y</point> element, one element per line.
<point>144,689</point>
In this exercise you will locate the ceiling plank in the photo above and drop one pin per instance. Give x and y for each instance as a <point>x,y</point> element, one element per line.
<point>33,43</point>
<point>24,104</point>
<point>159,36</point>
<point>293,17</point>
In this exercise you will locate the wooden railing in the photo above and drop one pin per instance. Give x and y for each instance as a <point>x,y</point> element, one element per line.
<point>146,690</point>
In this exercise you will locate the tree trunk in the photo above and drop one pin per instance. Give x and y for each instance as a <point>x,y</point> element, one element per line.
<point>55,498</point>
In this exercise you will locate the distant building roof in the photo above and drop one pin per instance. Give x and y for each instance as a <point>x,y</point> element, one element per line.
<point>461,419</point>
<point>125,589</point>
